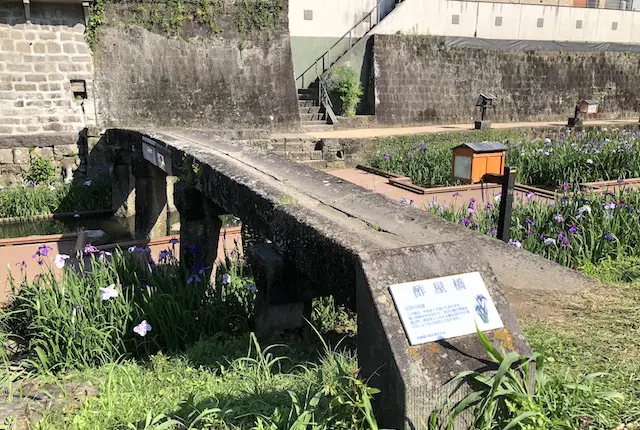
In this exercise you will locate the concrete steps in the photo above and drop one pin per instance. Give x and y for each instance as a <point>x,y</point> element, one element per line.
<point>314,153</point>
<point>312,115</point>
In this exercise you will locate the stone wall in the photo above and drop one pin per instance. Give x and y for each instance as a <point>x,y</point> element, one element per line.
<point>17,151</point>
<point>145,75</point>
<point>419,80</point>
<point>38,60</point>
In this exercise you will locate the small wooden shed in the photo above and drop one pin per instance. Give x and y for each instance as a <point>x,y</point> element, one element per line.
<point>471,161</point>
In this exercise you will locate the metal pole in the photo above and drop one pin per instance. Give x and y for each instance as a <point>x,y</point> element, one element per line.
<point>506,204</point>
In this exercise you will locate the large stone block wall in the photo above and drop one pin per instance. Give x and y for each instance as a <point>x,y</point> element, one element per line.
<point>419,80</point>
<point>63,150</point>
<point>38,60</point>
<point>202,78</point>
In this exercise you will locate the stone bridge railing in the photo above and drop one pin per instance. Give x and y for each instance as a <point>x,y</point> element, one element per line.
<point>318,235</point>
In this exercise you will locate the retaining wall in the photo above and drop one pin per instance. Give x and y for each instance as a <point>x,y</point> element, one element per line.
<point>418,79</point>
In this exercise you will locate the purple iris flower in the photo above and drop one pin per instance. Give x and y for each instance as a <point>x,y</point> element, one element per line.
<point>563,240</point>
<point>164,255</point>
<point>528,222</point>
<point>457,195</point>
<point>493,231</point>
<point>196,271</point>
<point>530,196</point>
<point>193,277</point>
<point>573,229</point>
<point>43,251</point>
<point>251,287</point>
<point>90,249</point>
<point>609,237</point>
<point>558,218</point>
<point>466,222</point>
<point>173,241</point>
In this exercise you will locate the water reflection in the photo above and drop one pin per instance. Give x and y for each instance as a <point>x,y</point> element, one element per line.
<point>117,229</point>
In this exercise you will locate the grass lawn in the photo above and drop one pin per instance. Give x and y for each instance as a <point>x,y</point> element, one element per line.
<point>590,332</point>
<point>216,380</point>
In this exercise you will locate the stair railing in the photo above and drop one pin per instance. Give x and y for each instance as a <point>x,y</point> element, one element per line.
<point>325,100</point>
<point>325,60</point>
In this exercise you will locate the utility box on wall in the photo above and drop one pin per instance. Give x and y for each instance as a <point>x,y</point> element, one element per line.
<point>471,161</point>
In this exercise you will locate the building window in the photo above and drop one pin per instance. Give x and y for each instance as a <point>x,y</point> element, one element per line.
<point>308,15</point>
<point>498,21</point>
<point>579,24</point>
<point>455,19</point>
<point>614,26</point>
<point>540,22</point>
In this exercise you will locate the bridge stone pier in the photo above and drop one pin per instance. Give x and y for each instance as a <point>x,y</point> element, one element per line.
<point>317,235</point>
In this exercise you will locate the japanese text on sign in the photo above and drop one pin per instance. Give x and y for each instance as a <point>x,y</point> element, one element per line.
<point>442,308</point>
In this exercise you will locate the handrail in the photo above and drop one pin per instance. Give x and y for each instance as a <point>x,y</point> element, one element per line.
<point>327,53</point>
<point>325,100</point>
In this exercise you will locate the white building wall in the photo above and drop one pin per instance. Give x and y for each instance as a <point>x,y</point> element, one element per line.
<point>332,18</point>
<point>329,18</point>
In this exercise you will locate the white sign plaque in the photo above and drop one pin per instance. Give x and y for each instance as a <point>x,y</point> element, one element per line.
<point>442,308</point>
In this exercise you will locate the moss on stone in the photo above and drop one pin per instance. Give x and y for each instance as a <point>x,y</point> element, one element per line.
<point>183,18</point>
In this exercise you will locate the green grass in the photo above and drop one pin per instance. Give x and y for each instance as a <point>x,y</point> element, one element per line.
<point>599,334</point>
<point>564,158</point>
<point>232,382</point>
<point>43,199</point>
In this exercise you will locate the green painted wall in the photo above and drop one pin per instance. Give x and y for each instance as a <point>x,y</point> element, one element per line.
<point>305,50</point>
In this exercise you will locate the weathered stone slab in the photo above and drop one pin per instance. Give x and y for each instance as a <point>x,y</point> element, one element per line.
<point>414,378</point>
<point>6,156</point>
<point>66,150</point>
<point>21,155</point>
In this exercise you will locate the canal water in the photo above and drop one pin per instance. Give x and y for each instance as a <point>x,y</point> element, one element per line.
<point>117,229</point>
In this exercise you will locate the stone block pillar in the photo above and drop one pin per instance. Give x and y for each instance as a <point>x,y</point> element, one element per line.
<point>200,227</point>
<point>151,200</point>
<point>284,296</point>
<point>123,186</point>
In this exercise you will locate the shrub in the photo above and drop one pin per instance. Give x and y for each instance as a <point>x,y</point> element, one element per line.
<point>345,83</point>
<point>41,170</point>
